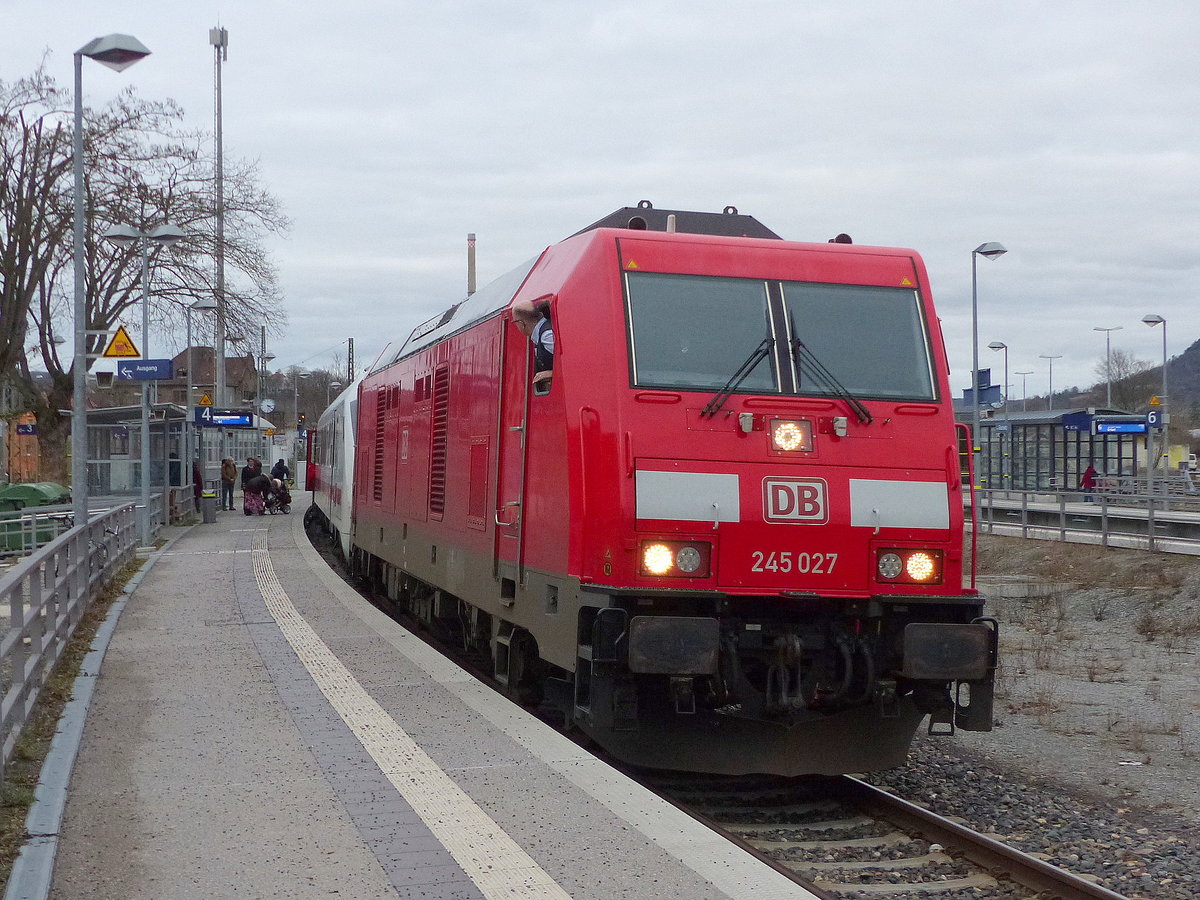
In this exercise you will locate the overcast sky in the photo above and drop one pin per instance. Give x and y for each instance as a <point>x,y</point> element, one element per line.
<point>1067,131</point>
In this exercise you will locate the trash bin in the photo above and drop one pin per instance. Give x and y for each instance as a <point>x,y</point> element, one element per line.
<point>208,507</point>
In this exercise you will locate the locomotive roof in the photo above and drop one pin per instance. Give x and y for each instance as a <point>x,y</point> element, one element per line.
<point>498,294</point>
<point>644,216</point>
<point>489,299</point>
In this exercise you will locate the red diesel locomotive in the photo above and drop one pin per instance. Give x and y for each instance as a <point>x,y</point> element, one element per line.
<point>727,534</point>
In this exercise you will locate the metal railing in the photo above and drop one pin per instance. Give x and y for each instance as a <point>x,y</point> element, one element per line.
<point>23,531</point>
<point>43,598</point>
<point>1114,513</point>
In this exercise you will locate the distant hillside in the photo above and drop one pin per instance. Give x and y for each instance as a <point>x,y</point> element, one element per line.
<point>1183,381</point>
<point>1134,393</point>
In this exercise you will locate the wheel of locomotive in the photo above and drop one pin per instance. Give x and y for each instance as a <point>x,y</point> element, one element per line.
<point>524,669</point>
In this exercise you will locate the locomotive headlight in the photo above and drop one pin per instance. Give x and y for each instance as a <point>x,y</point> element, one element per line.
<point>909,565</point>
<point>657,559</point>
<point>688,560</point>
<point>920,567</point>
<point>890,565</point>
<point>676,559</point>
<point>791,434</point>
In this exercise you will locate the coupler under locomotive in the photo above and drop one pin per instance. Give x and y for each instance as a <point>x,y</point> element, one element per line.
<point>745,691</point>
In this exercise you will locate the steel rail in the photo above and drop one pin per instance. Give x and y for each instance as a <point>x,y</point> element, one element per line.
<point>993,855</point>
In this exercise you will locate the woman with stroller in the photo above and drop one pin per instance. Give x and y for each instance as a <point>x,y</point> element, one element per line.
<point>254,487</point>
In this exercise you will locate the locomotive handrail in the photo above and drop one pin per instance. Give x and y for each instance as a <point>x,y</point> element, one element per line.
<point>963,429</point>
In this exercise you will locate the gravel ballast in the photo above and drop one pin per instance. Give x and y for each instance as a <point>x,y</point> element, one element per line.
<point>1094,763</point>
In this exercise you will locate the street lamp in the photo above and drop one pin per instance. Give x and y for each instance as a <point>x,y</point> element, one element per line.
<point>332,386</point>
<point>990,250</point>
<point>203,304</point>
<point>1153,320</point>
<point>164,235</point>
<point>1108,361</point>
<point>118,52</point>
<point>1000,345</point>
<point>1050,405</point>
<point>1024,395</point>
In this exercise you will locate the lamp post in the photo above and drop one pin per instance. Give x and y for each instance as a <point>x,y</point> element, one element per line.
<point>1108,361</point>
<point>118,52</point>
<point>1024,394</point>
<point>990,250</point>
<point>1000,345</point>
<point>1050,405</point>
<point>260,404</point>
<point>204,303</point>
<point>1153,320</point>
<point>332,386</point>
<point>164,236</point>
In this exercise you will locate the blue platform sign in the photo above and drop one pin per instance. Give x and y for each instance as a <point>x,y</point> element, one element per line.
<point>31,428</point>
<point>1154,418</point>
<point>212,417</point>
<point>144,370</point>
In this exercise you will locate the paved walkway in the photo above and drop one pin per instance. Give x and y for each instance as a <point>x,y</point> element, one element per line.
<point>259,731</point>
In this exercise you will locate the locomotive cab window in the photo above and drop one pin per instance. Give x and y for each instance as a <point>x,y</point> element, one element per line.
<point>689,331</point>
<point>703,333</point>
<point>533,319</point>
<point>871,339</point>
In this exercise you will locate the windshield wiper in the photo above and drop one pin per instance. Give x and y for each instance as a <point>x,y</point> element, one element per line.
<point>761,352</point>
<point>807,362</point>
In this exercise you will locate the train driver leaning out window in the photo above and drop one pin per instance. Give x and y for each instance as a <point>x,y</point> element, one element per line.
<point>533,321</point>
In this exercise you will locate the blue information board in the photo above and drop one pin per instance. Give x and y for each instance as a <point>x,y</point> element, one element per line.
<point>224,418</point>
<point>145,370</point>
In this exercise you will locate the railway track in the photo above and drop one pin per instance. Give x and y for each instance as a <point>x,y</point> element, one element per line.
<point>844,839</point>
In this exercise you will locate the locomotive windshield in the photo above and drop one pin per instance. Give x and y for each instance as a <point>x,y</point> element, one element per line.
<point>692,332</point>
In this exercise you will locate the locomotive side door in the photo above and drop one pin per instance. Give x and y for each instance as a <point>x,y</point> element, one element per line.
<point>510,458</point>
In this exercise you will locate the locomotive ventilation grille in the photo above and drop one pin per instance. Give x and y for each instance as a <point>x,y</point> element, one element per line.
<point>439,432</point>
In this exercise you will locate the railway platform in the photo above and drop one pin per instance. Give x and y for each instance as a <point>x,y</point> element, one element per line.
<point>258,730</point>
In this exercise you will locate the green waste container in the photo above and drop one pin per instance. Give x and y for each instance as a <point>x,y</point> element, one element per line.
<point>16,497</point>
<point>36,493</point>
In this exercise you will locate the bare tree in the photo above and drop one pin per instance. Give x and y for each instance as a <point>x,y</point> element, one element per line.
<point>1132,380</point>
<point>142,168</point>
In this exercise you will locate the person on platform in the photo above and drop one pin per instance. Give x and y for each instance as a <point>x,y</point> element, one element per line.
<point>281,471</point>
<point>1087,483</point>
<point>229,477</point>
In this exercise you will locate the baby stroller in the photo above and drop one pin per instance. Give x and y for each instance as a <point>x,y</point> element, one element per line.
<point>276,498</point>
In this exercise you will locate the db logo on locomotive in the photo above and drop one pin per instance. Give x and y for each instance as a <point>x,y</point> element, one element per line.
<point>798,501</point>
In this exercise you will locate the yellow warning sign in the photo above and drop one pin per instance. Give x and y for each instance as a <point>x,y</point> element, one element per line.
<point>1154,401</point>
<point>269,432</point>
<point>632,264</point>
<point>205,400</point>
<point>905,282</point>
<point>121,346</point>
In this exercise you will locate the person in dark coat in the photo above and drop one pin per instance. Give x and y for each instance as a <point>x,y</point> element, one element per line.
<point>281,471</point>
<point>253,467</point>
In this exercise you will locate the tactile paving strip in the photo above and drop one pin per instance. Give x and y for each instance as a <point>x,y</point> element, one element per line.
<point>496,864</point>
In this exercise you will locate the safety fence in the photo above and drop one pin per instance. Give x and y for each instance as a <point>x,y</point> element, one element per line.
<point>43,598</point>
<point>23,531</point>
<point>1104,516</point>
